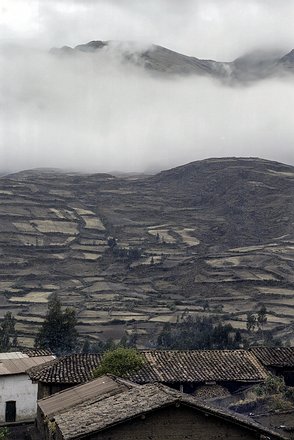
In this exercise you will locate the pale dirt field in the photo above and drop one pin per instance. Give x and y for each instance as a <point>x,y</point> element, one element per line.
<point>164,235</point>
<point>32,297</point>
<point>93,223</point>
<point>51,226</point>
<point>186,237</point>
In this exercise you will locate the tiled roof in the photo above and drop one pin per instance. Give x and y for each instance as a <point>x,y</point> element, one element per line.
<point>199,366</point>
<point>33,352</point>
<point>73,369</point>
<point>93,390</point>
<point>162,366</point>
<point>275,356</point>
<point>90,418</point>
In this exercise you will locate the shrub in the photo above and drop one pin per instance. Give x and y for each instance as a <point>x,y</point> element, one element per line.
<point>120,362</point>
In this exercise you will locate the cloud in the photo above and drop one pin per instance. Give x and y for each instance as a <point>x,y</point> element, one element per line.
<point>215,29</point>
<point>93,112</point>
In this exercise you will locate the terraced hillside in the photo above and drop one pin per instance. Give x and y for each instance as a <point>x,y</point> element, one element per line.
<point>214,236</point>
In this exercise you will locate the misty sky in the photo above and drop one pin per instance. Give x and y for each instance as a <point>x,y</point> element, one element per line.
<point>94,113</point>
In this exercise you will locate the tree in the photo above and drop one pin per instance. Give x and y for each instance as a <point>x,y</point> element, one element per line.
<point>120,362</point>
<point>58,331</point>
<point>8,336</point>
<point>251,321</point>
<point>261,317</point>
<point>198,333</point>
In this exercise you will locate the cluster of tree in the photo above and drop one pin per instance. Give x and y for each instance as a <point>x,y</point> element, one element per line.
<point>124,254</point>
<point>199,333</point>
<point>58,332</point>
<point>258,320</point>
<point>8,337</point>
<point>109,345</point>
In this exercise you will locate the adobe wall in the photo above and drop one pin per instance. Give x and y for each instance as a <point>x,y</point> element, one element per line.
<point>18,388</point>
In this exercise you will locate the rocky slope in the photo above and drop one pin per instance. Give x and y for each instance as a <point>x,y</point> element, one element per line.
<point>217,231</point>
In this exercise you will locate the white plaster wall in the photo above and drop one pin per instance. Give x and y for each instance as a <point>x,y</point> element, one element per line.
<point>21,389</point>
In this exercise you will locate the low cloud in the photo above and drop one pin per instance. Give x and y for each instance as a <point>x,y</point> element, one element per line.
<point>93,112</point>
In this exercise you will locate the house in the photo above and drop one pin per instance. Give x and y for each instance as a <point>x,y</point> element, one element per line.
<point>183,370</point>
<point>18,395</point>
<point>188,370</point>
<point>277,360</point>
<point>63,373</point>
<point>115,409</point>
<point>65,400</point>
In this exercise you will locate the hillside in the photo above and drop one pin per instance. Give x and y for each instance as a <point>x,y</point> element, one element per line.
<point>217,230</point>
<point>160,60</point>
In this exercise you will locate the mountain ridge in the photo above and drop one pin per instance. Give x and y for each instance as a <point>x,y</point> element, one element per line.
<point>161,60</point>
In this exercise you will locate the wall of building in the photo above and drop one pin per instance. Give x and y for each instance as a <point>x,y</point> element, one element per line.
<point>174,424</point>
<point>19,388</point>
<point>47,389</point>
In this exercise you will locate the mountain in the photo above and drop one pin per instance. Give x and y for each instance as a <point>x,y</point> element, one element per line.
<point>160,60</point>
<point>216,231</point>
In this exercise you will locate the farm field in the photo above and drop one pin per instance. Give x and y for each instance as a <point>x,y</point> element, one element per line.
<point>198,239</point>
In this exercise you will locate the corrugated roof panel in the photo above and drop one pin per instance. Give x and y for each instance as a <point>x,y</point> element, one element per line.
<point>20,365</point>
<point>13,355</point>
<point>69,398</point>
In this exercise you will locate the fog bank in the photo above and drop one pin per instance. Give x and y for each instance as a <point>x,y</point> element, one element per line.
<point>94,112</point>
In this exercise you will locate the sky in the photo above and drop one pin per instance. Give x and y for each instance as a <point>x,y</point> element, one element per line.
<point>95,113</point>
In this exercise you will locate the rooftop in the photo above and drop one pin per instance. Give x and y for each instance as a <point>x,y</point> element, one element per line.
<point>94,390</point>
<point>162,366</point>
<point>274,356</point>
<point>200,366</point>
<point>96,416</point>
<point>73,369</point>
<point>19,365</point>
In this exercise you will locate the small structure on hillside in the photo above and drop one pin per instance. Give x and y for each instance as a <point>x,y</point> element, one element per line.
<point>185,370</point>
<point>278,360</point>
<point>111,408</point>
<point>18,397</point>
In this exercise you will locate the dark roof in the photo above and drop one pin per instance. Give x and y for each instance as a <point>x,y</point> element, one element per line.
<point>93,390</point>
<point>275,356</point>
<point>33,352</point>
<point>199,366</point>
<point>92,417</point>
<point>73,369</point>
<point>162,366</point>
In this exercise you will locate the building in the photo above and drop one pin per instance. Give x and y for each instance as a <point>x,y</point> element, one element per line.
<point>63,373</point>
<point>18,395</point>
<point>183,370</point>
<point>188,370</point>
<point>277,360</point>
<point>115,409</point>
<point>65,400</point>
